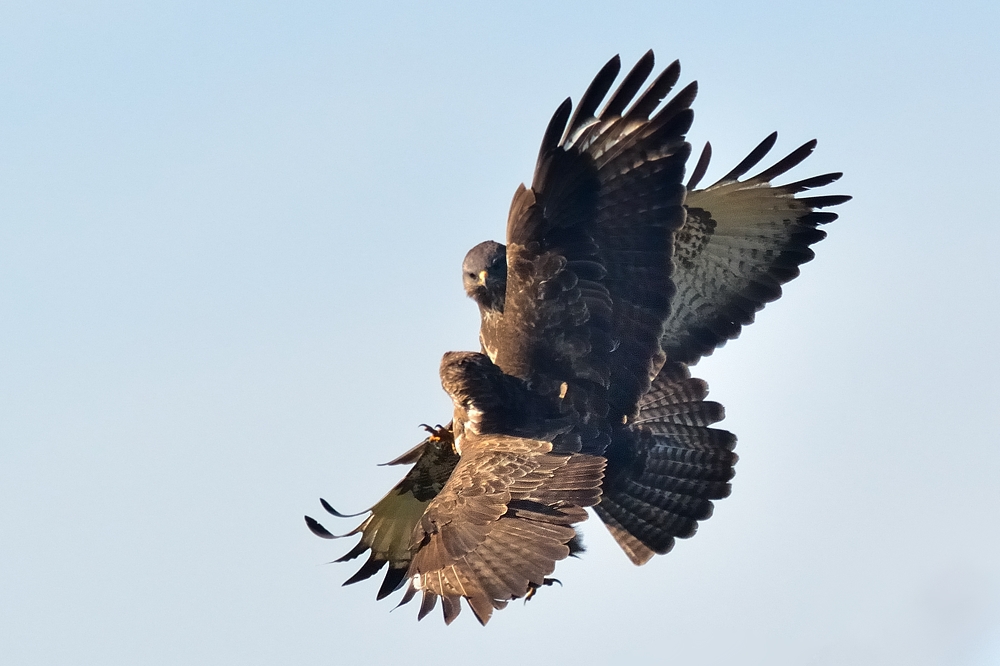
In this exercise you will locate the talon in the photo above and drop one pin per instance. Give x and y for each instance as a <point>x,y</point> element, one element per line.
<point>435,431</point>
<point>533,588</point>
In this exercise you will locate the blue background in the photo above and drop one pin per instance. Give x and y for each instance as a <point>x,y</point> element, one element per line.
<point>230,239</point>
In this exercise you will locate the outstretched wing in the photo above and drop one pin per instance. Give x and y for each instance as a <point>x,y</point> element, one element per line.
<point>387,530</point>
<point>500,524</point>
<point>589,244</point>
<point>587,290</point>
<point>741,240</point>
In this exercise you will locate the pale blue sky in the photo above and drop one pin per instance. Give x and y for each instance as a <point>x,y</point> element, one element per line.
<point>230,239</point>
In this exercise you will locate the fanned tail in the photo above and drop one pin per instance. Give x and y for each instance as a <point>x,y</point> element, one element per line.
<point>661,479</point>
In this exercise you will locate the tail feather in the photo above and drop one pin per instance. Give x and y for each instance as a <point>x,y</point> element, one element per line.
<point>687,487</point>
<point>686,413</point>
<point>657,538</point>
<point>665,470</point>
<point>717,470</point>
<point>636,550</point>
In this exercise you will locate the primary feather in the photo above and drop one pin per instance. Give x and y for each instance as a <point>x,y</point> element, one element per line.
<point>615,277</point>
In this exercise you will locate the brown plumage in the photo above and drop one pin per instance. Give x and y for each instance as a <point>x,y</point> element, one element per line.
<point>615,277</point>
<point>387,530</point>
<point>666,469</point>
<point>740,242</point>
<point>505,516</point>
<point>571,352</point>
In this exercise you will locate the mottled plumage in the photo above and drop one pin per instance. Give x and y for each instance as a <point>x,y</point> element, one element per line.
<point>614,278</point>
<point>668,466</point>
<point>740,242</point>
<point>386,532</point>
<point>505,517</point>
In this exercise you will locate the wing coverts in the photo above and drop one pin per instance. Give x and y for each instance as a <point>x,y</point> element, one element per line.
<point>614,279</point>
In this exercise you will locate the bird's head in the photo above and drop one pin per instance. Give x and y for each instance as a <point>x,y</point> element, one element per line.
<point>484,275</point>
<point>472,381</point>
<point>468,376</point>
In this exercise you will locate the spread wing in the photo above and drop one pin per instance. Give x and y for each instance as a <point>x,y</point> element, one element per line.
<point>588,287</point>
<point>598,219</point>
<point>605,263</point>
<point>741,240</point>
<point>387,530</point>
<point>500,524</point>
<point>505,515</point>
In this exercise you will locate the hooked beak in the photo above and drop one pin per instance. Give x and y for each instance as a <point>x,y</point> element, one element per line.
<point>482,277</point>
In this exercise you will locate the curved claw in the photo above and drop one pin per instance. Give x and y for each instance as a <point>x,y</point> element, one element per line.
<point>435,431</point>
<point>532,588</point>
<point>436,435</point>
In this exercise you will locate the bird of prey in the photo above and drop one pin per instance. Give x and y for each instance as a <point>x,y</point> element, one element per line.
<point>615,277</point>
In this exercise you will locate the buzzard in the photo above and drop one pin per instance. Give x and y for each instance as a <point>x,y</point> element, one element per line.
<point>615,277</point>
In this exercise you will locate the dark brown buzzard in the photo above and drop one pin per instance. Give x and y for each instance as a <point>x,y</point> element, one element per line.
<point>614,279</point>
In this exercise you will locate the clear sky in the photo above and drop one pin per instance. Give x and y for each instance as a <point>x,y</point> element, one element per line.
<point>230,240</point>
